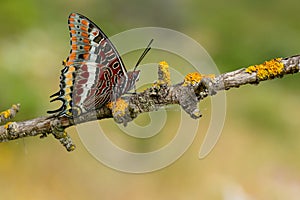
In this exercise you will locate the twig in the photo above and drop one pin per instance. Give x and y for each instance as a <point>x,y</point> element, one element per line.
<point>9,113</point>
<point>188,93</point>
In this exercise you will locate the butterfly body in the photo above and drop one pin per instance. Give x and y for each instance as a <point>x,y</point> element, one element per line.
<point>94,72</point>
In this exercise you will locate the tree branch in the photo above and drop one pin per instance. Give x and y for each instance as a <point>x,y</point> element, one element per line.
<point>188,93</point>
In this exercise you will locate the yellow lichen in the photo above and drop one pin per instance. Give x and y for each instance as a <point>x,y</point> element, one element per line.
<point>164,63</point>
<point>118,107</point>
<point>6,126</point>
<point>192,78</point>
<point>268,69</point>
<point>5,114</point>
<point>64,134</point>
<point>72,148</point>
<point>195,77</point>
<point>164,73</point>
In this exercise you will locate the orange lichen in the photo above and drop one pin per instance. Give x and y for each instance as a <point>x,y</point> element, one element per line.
<point>118,107</point>
<point>195,77</point>
<point>268,69</point>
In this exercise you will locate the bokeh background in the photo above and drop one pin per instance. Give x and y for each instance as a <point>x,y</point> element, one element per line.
<point>257,156</point>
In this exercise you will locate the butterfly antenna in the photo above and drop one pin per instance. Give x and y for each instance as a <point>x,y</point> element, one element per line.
<point>143,54</point>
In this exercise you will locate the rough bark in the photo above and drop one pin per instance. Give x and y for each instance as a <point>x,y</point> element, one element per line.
<point>188,93</point>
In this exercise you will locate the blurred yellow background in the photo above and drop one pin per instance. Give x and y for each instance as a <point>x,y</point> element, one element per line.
<point>257,156</point>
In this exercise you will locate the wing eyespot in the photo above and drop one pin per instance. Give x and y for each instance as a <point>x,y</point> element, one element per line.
<point>115,65</point>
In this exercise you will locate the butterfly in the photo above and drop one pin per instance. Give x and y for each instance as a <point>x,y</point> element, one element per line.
<point>94,73</point>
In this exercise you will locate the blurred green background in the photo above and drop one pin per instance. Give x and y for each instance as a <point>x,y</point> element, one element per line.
<point>257,156</point>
